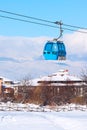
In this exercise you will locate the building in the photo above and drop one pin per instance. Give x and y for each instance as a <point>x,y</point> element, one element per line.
<point>62,84</point>
<point>6,85</point>
<point>57,79</point>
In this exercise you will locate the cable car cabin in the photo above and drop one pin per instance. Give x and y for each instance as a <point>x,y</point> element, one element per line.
<point>54,51</point>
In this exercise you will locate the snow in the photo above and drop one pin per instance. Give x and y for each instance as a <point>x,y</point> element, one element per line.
<point>61,75</point>
<point>75,120</point>
<point>18,59</point>
<point>49,119</point>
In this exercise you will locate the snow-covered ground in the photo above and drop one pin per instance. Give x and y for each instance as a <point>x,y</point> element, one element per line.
<point>32,117</point>
<point>71,120</point>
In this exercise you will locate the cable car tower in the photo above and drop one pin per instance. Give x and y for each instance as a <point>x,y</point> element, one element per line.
<point>55,49</point>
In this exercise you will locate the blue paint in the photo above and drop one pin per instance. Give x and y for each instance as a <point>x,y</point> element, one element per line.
<point>54,51</point>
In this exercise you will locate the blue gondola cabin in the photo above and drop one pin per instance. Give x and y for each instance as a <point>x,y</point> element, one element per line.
<point>54,51</point>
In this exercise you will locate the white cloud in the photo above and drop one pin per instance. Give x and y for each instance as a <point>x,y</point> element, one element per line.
<point>27,52</point>
<point>21,47</point>
<point>76,43</point>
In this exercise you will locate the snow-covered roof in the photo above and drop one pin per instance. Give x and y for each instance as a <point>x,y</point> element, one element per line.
<point>61,75</point>
<point>7,82</point>
<point>5,79</point>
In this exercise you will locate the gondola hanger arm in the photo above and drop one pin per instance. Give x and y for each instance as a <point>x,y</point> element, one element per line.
<point>61,30</point>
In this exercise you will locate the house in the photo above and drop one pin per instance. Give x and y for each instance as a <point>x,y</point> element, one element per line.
<point>6,85</point>
<point>61,82</point>
<point>60,78</point>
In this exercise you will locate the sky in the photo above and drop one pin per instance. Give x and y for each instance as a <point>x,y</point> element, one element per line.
<point>21,44</point>
<point>71,12</point>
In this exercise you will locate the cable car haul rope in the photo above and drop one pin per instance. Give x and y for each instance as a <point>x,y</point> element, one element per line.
<point>55,49</point>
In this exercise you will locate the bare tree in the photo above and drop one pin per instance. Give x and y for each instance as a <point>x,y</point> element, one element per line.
<point>24,89</point>
<point>84,77</point>
<point>83,74</point>
<point>26,81</point>
<point>46,93</point>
